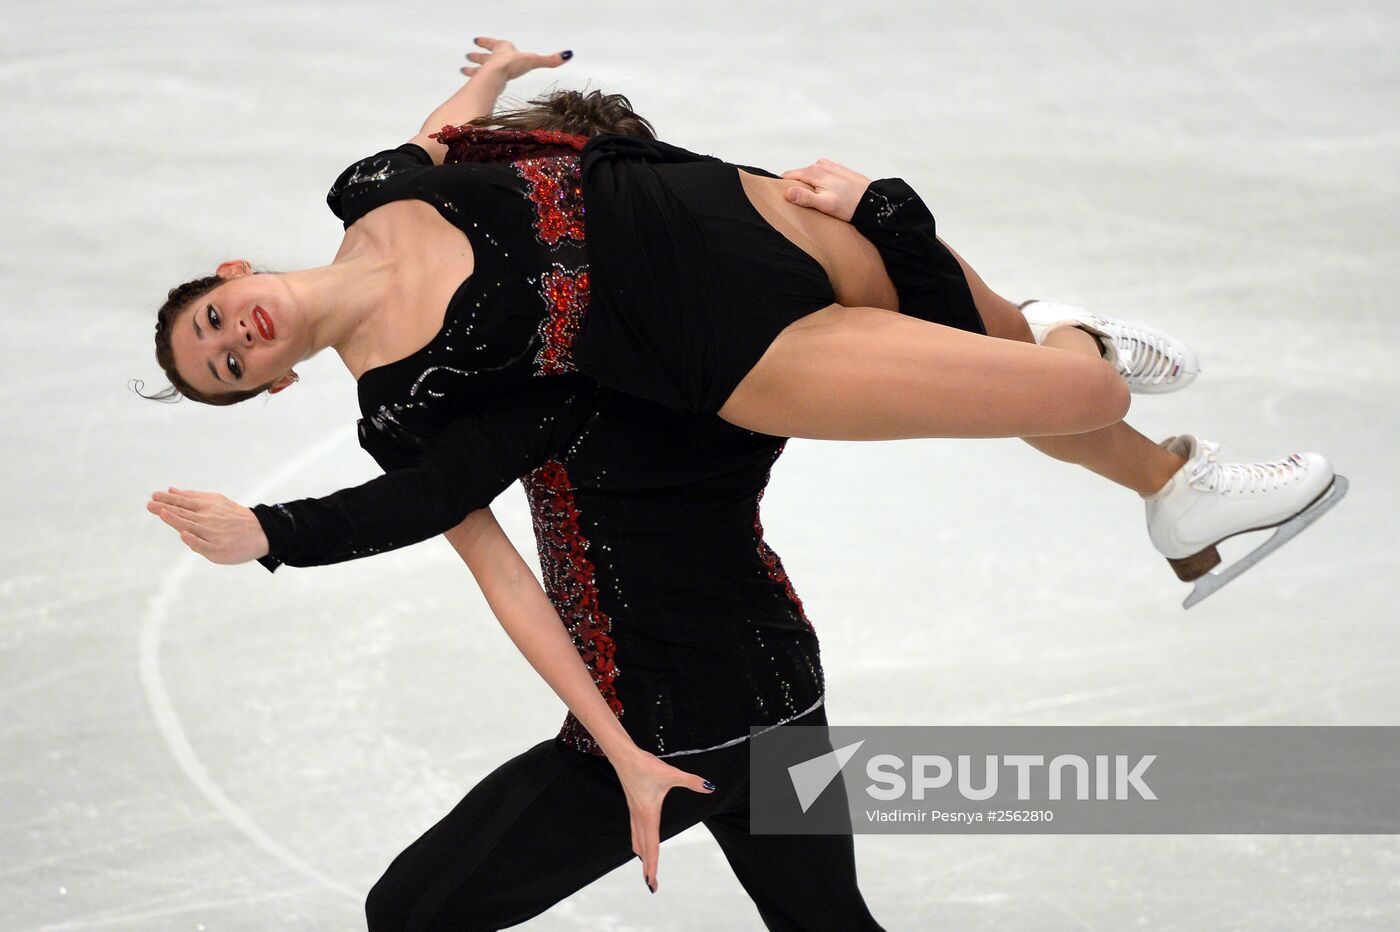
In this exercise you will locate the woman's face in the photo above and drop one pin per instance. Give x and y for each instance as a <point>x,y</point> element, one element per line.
<point>237,337</point>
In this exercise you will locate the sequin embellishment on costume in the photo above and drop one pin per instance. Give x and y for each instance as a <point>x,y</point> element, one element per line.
<point>557,193</point>
<point>570,582</point>
<point>566,296</point>
<point>768,555</point>
<point>365,175</point>
<point>884,208</point>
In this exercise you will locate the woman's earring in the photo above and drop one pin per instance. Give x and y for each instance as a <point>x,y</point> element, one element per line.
<point>295,378</point>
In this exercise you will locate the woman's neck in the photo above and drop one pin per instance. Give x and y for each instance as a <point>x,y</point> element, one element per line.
<point>340,301</point>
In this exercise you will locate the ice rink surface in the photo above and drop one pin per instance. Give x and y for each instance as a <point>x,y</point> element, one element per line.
<point>195,747</point>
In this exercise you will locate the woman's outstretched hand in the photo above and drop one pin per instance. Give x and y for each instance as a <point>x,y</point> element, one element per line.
<point>646,779</point>
<point>501,54</point>
<point>838,189</point>
<point>216,528</point>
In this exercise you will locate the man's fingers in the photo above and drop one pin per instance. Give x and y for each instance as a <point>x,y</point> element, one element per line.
<point>801,197</point>
<point>184,526</point>
<point>187,514</point>
<point>195,544</point>
<point>182,499</point>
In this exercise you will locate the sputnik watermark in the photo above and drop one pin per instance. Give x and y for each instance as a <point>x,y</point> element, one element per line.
<point>1113,777</point>
<point>1091,779</point>
<point>934,772</point>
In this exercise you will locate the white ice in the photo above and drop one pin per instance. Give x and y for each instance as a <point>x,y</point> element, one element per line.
<point>188,746</point>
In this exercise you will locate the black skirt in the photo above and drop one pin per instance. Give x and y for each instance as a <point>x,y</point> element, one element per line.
<point>690,284</point>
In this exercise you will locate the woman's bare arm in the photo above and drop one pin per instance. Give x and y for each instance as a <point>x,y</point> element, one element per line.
<point>530,619</point>
<point>496,67</point>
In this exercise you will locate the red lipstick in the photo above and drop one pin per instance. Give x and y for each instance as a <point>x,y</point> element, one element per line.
<point>263,323</point>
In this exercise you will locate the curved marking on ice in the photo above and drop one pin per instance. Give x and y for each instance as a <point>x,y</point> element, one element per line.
<point>168,720</point>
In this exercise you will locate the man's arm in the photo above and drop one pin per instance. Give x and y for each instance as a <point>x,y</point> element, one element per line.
<point>497,66</point>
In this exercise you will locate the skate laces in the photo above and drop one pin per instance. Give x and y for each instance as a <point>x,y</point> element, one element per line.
<point>1149,356</point>
<point>1211,476</point>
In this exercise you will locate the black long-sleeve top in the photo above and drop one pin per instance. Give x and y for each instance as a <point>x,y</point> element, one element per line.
<point>646,519</point>
<point>464,416</point>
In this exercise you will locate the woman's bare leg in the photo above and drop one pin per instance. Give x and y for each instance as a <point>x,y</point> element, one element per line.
<point>871,374</point>
<point>1116,452</point>
<point>863,373</point>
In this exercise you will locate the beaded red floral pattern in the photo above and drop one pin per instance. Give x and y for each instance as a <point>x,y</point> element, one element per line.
<point>557,193</point>
<point>549,164</point>
<point>571,584</point>
<point>566,296</point>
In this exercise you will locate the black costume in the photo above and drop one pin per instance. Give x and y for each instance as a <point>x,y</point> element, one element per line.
<point>651,526</point>
<point>691,285</point>
<point>550,821</point>
<point>646,519</point>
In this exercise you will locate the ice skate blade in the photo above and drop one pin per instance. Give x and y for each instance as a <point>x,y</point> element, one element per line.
<point>1214,581</point>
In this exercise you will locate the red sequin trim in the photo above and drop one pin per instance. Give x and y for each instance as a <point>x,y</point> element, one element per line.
<point>570,583</point>
<point>768,555</point>
<point>566,295</point>
<point>473,144</point>
<point>557,193</point>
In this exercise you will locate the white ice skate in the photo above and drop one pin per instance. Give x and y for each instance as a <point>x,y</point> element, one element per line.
<point>1206,502</point>
<point>1151,361</point>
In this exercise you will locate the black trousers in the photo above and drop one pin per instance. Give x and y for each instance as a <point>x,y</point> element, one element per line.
<point>553,820</point>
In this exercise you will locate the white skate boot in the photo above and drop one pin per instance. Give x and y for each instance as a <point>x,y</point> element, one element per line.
<point>1206,502</point>
<point>1151,361</point>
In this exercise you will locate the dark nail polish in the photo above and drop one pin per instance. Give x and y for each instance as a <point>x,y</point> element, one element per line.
<point>709,785</point>
<point>566,54</point>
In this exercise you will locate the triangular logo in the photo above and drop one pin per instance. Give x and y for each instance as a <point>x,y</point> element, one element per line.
<point>811,777</point>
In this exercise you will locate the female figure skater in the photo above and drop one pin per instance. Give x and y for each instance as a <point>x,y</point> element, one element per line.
<point>792,335</point>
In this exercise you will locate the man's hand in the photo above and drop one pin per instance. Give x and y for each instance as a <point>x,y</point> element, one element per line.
<point>502,55</point>
<point>838,189</point>
<point>220,530</point>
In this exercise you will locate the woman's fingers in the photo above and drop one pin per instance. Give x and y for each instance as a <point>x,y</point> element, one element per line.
<point>696,783</point>
<point>469,71</point>
<point>636,836</point>
<point>651,845</point>
<point>478,57</point>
